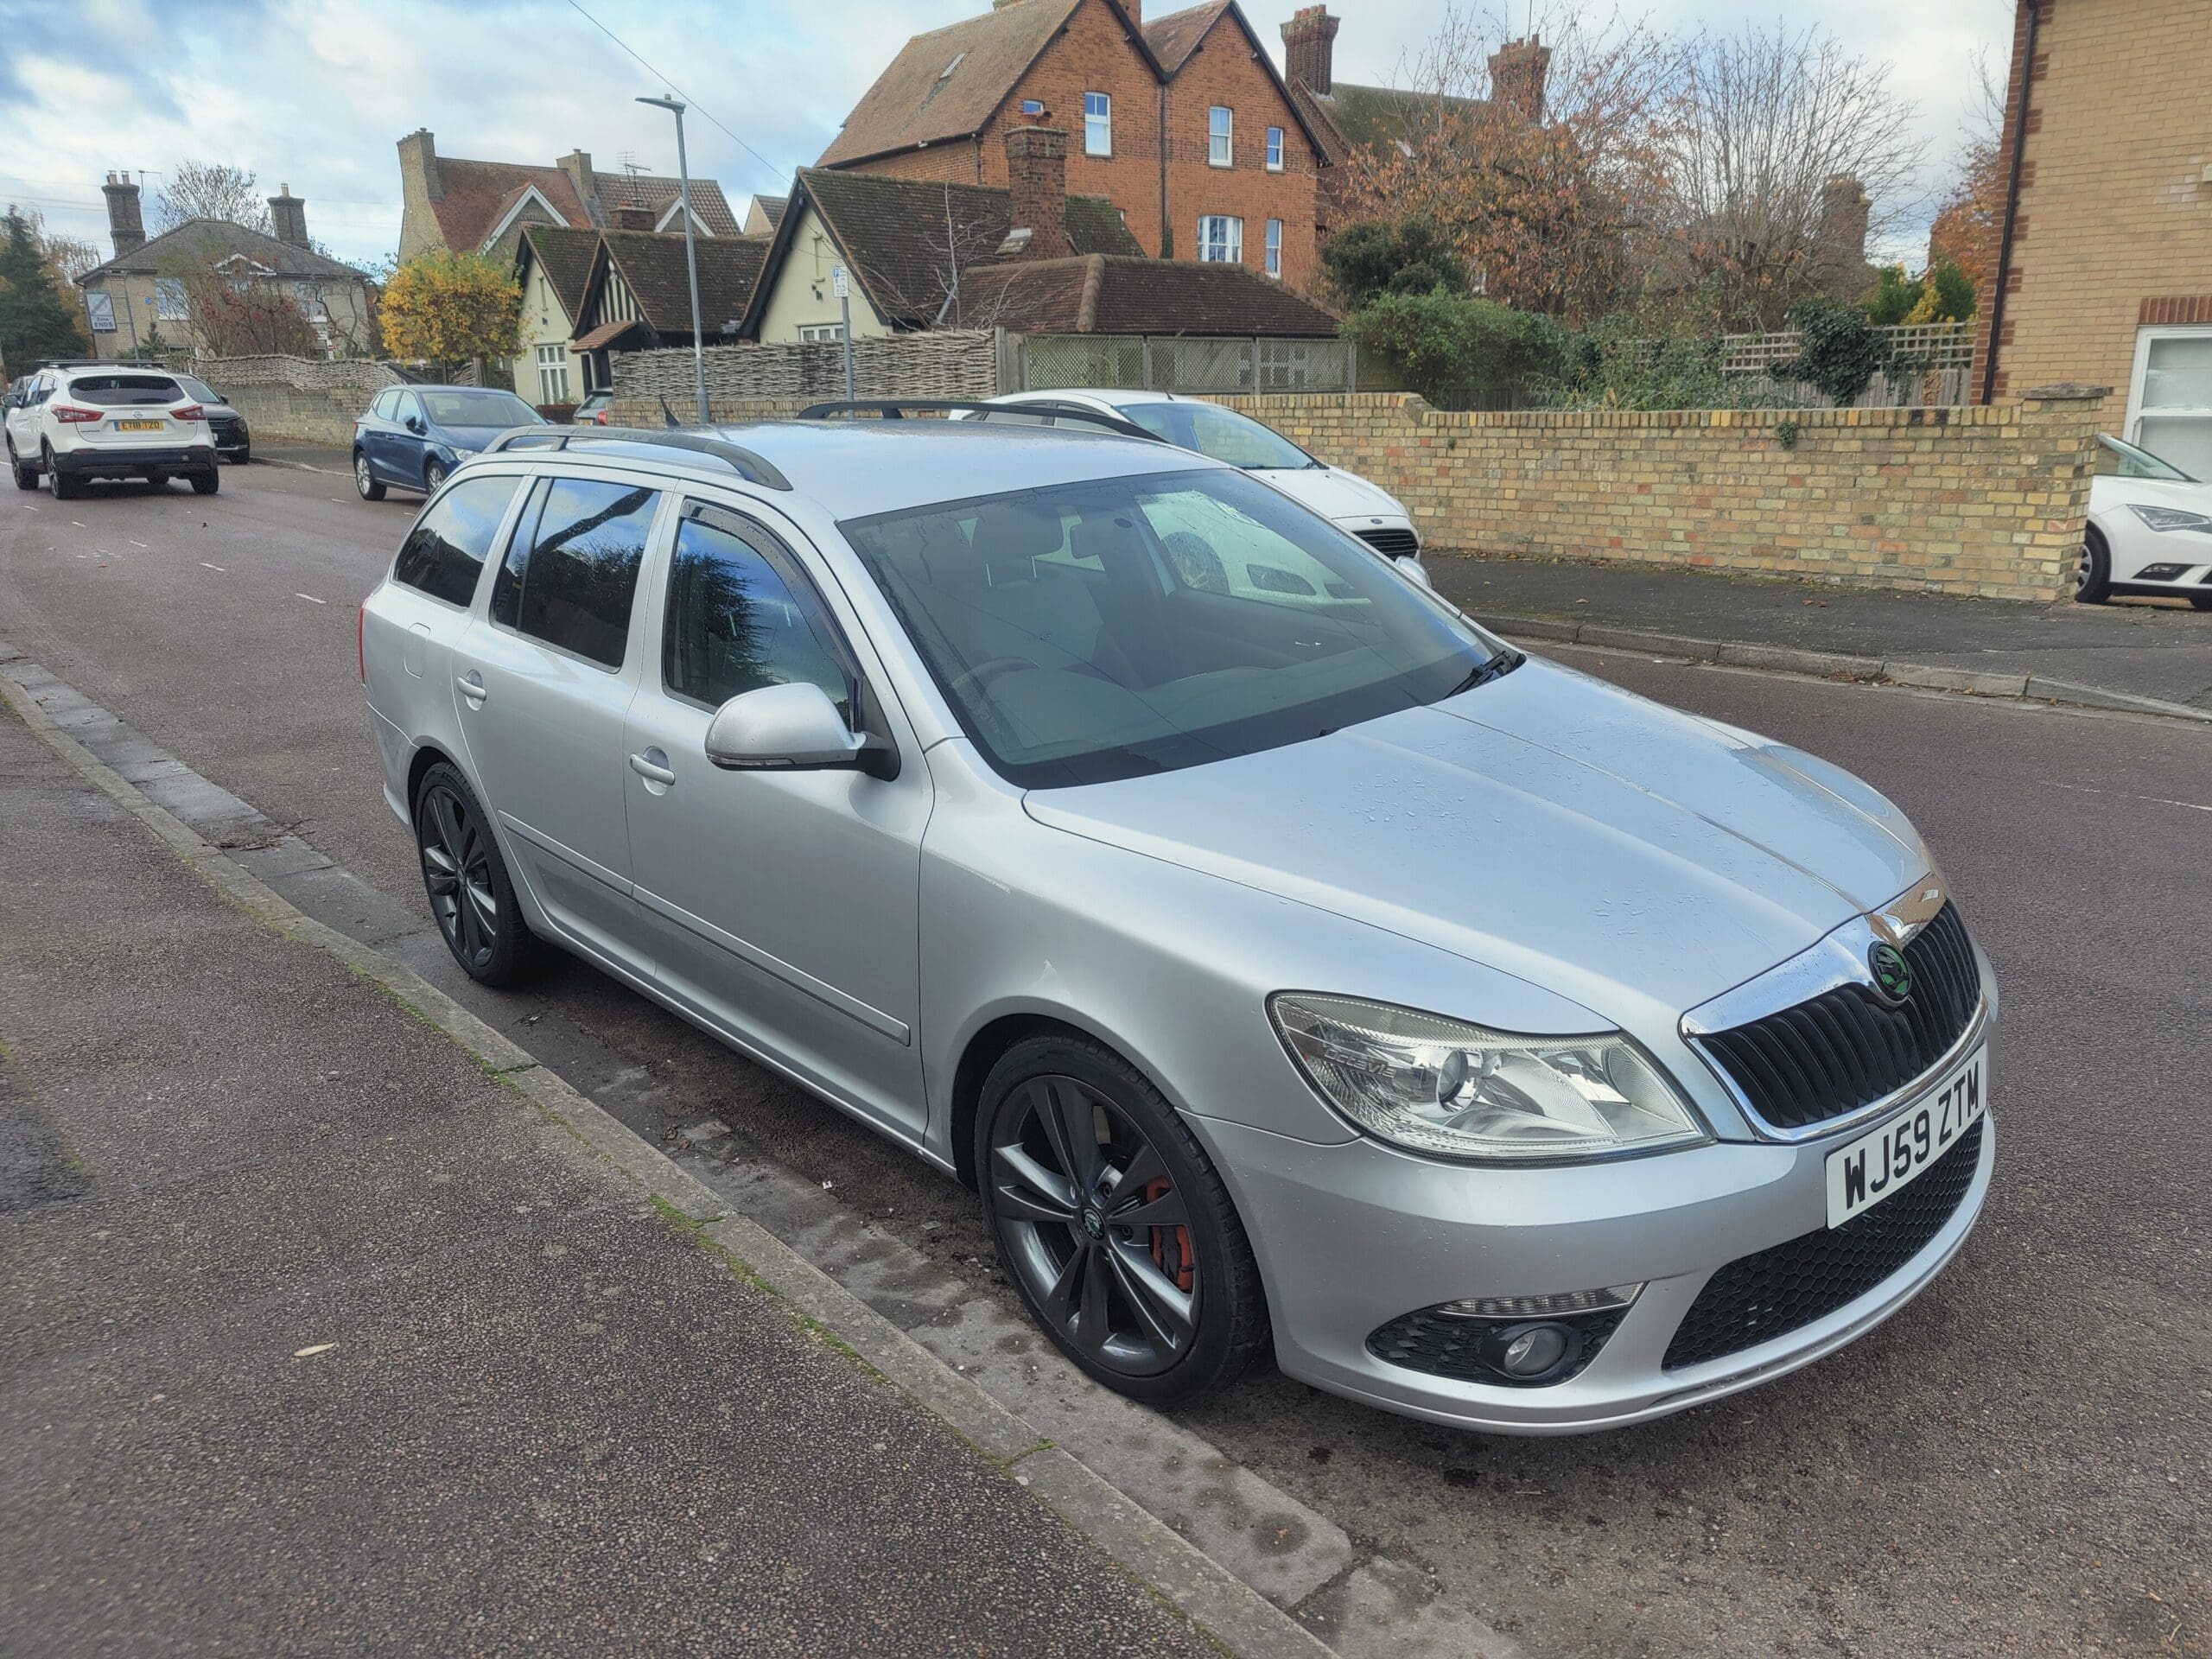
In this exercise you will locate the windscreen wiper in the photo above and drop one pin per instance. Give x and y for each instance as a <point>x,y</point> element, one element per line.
<point>1504,663</point>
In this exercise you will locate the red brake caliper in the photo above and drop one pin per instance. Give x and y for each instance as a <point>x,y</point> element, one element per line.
<point>1171,1246</point>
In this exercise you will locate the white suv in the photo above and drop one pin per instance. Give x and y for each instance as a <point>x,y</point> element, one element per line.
<point>84,421</point>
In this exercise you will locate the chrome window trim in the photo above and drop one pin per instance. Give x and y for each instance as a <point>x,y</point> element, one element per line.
<point>1839,959</point>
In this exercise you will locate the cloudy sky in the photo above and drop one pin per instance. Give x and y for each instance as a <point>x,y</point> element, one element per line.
<point>315,93</point>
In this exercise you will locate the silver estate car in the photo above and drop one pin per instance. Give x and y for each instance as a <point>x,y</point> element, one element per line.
<point>1286,961</point>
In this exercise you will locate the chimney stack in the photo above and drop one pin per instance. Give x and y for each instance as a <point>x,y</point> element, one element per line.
<point>418,164</point>
<point>288,217</point>
<point>124,223</point>
<point>1309,49</point>
<point>577,165</point>
<point>1037,188</point>
<point>632,219</point>
<point>1518,73</point>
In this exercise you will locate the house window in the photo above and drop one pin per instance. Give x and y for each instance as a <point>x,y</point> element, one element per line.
<point>169,299</point>
<point>1219,125</point>
<point>821,334</point>
<point>1221,239</point>
<point>553,373</point>
<point>1274,247</point>
<point>1274,150</point>
<point>1033,106</point>
<point>1097,124</point>
<point>2170,397</point>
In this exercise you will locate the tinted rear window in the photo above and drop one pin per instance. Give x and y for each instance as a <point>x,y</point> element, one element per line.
<point>569,578</point>
<point>121,391</point>
<point>448,544</point>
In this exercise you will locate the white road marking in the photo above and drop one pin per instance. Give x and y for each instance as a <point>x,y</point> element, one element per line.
<point>29,508</point>
<point>311,599</point>
<point>137,543</point>
<point>2154,800</point>
<point>80,523</point>
<point>217,569</point>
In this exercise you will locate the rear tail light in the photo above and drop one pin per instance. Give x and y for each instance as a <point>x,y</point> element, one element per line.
<point>601,417</point>
<point>361,641</point>
<point>70,415</point>
<point>190,412</point>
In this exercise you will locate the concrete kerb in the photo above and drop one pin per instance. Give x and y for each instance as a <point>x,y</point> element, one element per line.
<point>1226,1609</point>
<point>1831,666</point>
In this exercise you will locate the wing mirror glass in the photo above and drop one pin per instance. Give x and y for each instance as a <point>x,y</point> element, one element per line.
<point>415,425</point>
<point>791,728</point>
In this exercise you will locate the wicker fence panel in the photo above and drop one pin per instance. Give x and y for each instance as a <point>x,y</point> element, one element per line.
<point>952,363</point>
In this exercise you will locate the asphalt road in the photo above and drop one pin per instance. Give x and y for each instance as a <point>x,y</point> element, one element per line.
<point>2021,1462</point>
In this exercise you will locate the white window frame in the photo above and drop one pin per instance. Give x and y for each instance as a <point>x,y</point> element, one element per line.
<point>1274,150</point>
<point>821,334</point>
<point>1232,241</point>
<point>1098,124</point>
<point>2145,336</point>
<point>553,373</point>
<point>1274,248</point>
<point>1221,146</point>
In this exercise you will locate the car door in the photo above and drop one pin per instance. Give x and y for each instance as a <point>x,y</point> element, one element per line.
<point>783,905</point>
<point>543,679</point>
<point>399,450</point>
<point>23,420</point>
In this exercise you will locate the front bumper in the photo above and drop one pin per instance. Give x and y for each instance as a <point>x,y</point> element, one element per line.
<point>1355,1236</point>
<point>88,461</point>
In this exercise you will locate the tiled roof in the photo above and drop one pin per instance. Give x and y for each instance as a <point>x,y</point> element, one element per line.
<point>1173,38</point>
<point>651,190</point>
<point>202,241</point>
<point>1350,116</point>
<point>476,194</point>
<point>1116,295</point>
<point>772,209</point>
<point>652,265</point>
<point>948,83</point>
<point>566,255</point>
<point>903,237</point>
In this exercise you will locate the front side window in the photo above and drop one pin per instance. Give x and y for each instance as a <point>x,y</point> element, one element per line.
<point>2118,459</point>
<point>740,617</point>
<point>1089,631</point>
<point>571,570</point>
<point>169,299</point>
<point>449,543</point>
<point>1274,247</point>
<point>1274,150</point>
<point>1097,124</point>
<point>1221,239</point>
<point>1219,123</point>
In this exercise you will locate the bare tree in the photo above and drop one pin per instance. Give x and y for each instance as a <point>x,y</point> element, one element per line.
<point>67,257</point>
<point>1767,129</point>
<point>1970,220</point>
<point>211,190</point>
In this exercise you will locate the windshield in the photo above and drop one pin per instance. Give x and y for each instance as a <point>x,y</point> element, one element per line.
<point>198,391</point>
<point>1094,631</point>
<point>2118,459</point>
<point>1219,434</point>
<point>495,409</point>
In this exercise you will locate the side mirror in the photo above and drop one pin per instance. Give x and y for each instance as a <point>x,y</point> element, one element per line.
<point>789,727</point>
<point>1410,563</point>
<point>415,425</point>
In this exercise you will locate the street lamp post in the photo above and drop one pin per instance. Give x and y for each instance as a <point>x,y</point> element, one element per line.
<point>690,250</point>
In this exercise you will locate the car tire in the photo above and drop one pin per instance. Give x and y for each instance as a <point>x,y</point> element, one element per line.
<point>1166,1309</point>
<point>208,482</point>
<point>363,480</point>
<point>26,474</point>
<point>63,487</point>
<point>471,897</point>
<point>434,473</point>
<point>2093,574</point>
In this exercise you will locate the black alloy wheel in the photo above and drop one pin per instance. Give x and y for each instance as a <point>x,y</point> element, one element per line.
<point>471,897</point>
<point>1113,1226</point>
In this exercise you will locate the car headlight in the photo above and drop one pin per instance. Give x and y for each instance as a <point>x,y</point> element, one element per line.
<point>2171,518</point>
<point>1448,1088</point>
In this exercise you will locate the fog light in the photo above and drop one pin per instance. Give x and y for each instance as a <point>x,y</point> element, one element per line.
<point>1532,1350</point>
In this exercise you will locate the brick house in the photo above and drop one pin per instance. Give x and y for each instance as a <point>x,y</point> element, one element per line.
<point>1182,122</point>
<point>448,201</point>
<point>2104,258</point>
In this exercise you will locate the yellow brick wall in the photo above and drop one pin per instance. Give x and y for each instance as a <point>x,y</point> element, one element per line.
<point>2114,208</point>
<point>1987,501</point>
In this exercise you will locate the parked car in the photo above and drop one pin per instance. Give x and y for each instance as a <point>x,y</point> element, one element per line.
<point>593,410</point>
<point>412,436</point>
<point>1345,499</point>
<point>80,421</point>
<point>1504,1049</point>
<point>233,442</point>
<point>2149,528</point>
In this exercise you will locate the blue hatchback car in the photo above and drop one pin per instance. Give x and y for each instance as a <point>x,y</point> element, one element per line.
<point>412,436</point>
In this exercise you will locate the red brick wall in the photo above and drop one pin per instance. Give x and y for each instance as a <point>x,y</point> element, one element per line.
<point>940,163</point>
<point>1222,71</point>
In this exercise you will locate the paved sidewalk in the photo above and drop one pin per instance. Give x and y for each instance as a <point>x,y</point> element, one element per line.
<point>312,457</point>
<point>314,1337</point>
<point>2153,649</point>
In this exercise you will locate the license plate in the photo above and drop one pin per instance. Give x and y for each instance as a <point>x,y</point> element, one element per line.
<point>1876,1164</point>
<point>139,426</point>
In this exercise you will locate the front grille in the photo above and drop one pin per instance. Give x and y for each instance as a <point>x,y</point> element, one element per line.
<point>1392,543</point>
<point>1756,1298</point>
<point>1843,1049</point>
<point>1434,1342</point>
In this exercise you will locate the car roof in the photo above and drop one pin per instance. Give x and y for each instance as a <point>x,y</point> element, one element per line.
<point>1111,397</point>
<point>857,469</point>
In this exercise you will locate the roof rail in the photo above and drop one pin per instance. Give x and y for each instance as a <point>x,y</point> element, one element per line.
<point>748,464</point>
<point>895,408</point>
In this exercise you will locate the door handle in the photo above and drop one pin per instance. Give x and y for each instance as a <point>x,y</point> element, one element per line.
<point>651,771</point>
<point>472,686</point>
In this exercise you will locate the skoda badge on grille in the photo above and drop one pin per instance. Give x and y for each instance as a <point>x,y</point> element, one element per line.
<point>1893,974</point>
